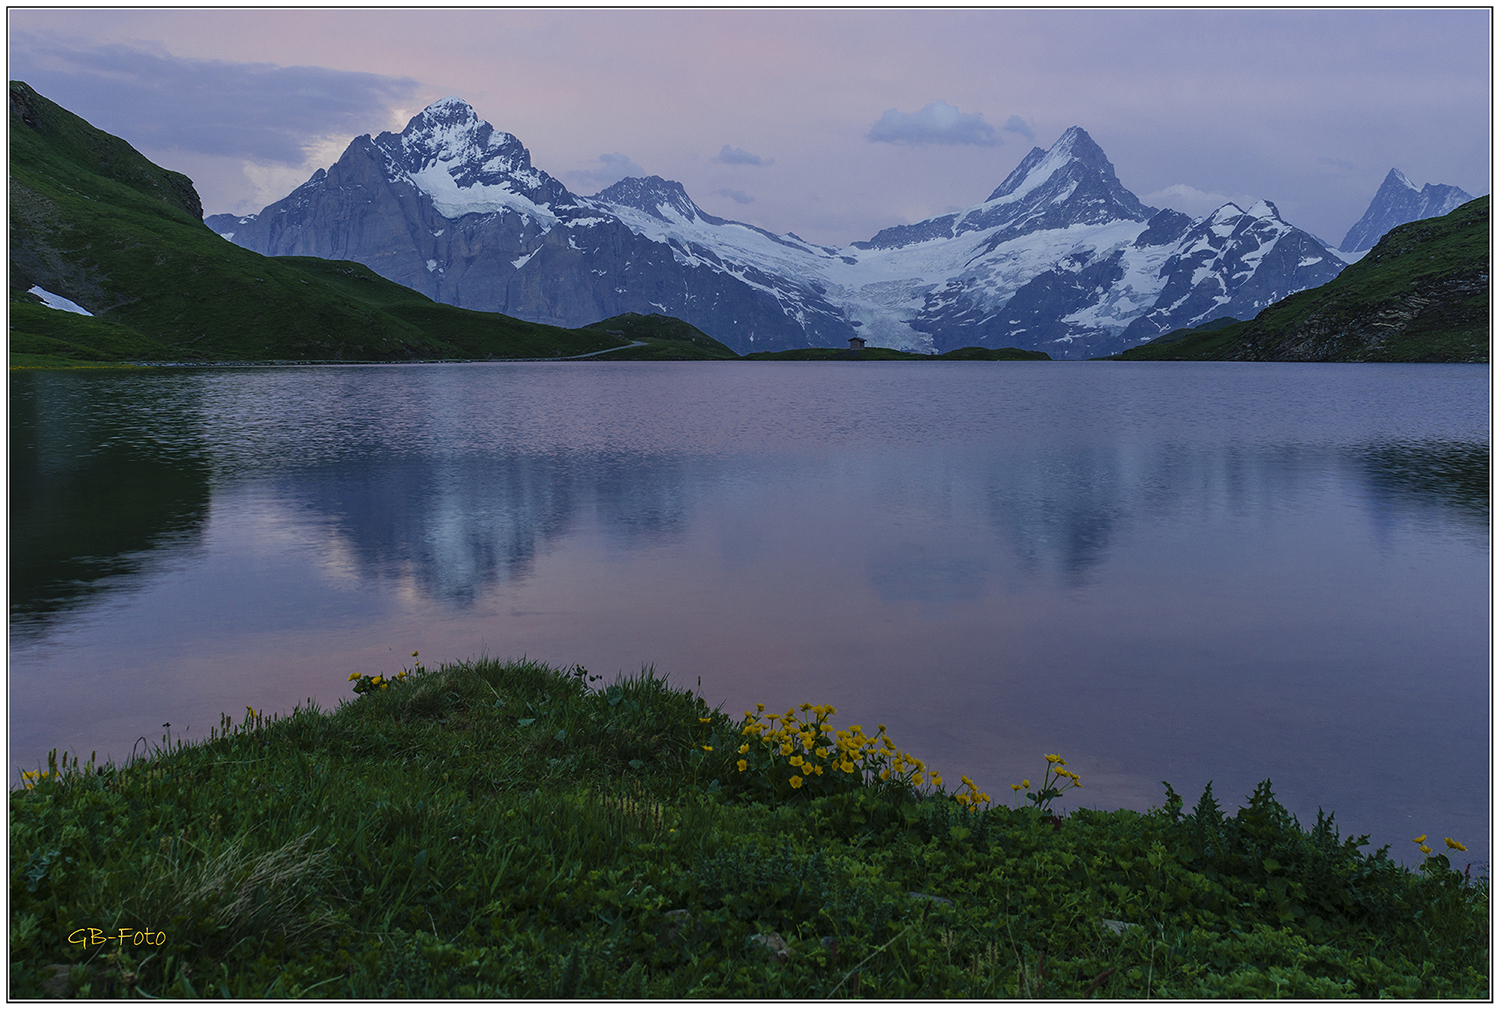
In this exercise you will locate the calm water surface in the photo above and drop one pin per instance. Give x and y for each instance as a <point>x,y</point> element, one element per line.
<point>1188,572</point>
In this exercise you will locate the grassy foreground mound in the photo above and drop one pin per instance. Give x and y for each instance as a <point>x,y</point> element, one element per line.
<point>507,830</point>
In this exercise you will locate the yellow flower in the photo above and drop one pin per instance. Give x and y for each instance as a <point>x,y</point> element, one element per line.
<point>847,767</point>
<point>885,774</point>
<point>707,747</point>
<point>1420,839</point>
<point>1456,845</point>
<point>817,769</point>
<point>744,748</point>
<point>796,781</point>
<point>743,764</point>
<point>703,719</point>
<point>1025,783</point>
<point>1425,848</point>
<point>761,708</point>
<point>1016,788</point>
<point>355,676</point>
<point>796,761</point>
<point>1051,759</point>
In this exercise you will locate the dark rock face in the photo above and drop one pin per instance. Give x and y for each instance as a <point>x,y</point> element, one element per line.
<point>1397,202</point>
<point>1164,228</point>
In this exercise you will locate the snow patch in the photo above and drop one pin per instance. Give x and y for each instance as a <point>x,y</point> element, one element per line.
<point>57,301</point>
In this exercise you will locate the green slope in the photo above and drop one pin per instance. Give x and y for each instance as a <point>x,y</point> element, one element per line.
<point>660,338</point>
<point>93,220</point>
<point>1422,294</point>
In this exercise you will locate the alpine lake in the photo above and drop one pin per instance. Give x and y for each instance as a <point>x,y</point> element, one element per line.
<point>1175,572</point>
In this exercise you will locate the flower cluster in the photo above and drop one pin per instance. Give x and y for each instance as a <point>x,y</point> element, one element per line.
<point>30,779</point>
<point>792,754</point>
<point>1055,780</point>
<point>364,683</point>
<point>969,795</point>
<point>1442,859</point>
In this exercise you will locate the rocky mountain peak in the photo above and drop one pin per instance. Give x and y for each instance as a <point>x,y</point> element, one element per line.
<point>1074,149</point>
<point>661,198</point>
<point>1397,202</point>
<point>449,132</point>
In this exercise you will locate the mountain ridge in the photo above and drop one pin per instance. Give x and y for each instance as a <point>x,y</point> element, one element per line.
<point>464,217</point>
<point>1421,294</point>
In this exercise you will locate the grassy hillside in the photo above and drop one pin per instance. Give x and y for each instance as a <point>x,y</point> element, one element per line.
<point>887,354</point>
<point>94,221</point>
<point>661,338</point>
<point>1421,294</point>
<point>507,830</point>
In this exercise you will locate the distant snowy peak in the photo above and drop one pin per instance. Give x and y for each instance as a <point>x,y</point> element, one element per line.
<point>468,167</point>
<point>1232,263</point>
<point>1070,183</point>
<point>449,133</point>
<point>1397,202</point>
<point>225,225</point>
<point>661,198</point>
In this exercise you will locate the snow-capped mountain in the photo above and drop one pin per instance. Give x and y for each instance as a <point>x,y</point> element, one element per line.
<point>1061,257</point>
<point>1397,202</point>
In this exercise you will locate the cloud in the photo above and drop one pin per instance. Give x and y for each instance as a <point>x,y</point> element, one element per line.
<point>612,168</point>
<point>1194,202</point>
<point>1015,124</point>
<point>738,156</point>
<point>261,112</point>
<point>938,123</point>
<point>737,195</point>
<point>1339,165</point>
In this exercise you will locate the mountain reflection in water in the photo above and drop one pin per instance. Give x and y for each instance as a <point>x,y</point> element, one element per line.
<point>1220,568</point>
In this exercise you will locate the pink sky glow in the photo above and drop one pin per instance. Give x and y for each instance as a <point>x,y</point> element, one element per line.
<point>1309,109</point>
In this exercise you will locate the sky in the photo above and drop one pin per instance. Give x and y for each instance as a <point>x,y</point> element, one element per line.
<point>831,124</point>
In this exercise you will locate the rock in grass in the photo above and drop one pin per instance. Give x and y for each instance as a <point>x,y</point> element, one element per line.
<point>772,943</point>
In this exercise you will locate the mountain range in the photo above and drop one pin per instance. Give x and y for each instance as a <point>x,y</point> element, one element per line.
<point>1060,257</point>
<point>97,229</point>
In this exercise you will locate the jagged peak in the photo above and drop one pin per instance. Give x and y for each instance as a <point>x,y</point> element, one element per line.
<point>651,194</point>
<point>1396,177</point>
<point>1075,145</point>
<point>450,110</point>
<point>450,133</point>
<point>1265,209</point>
